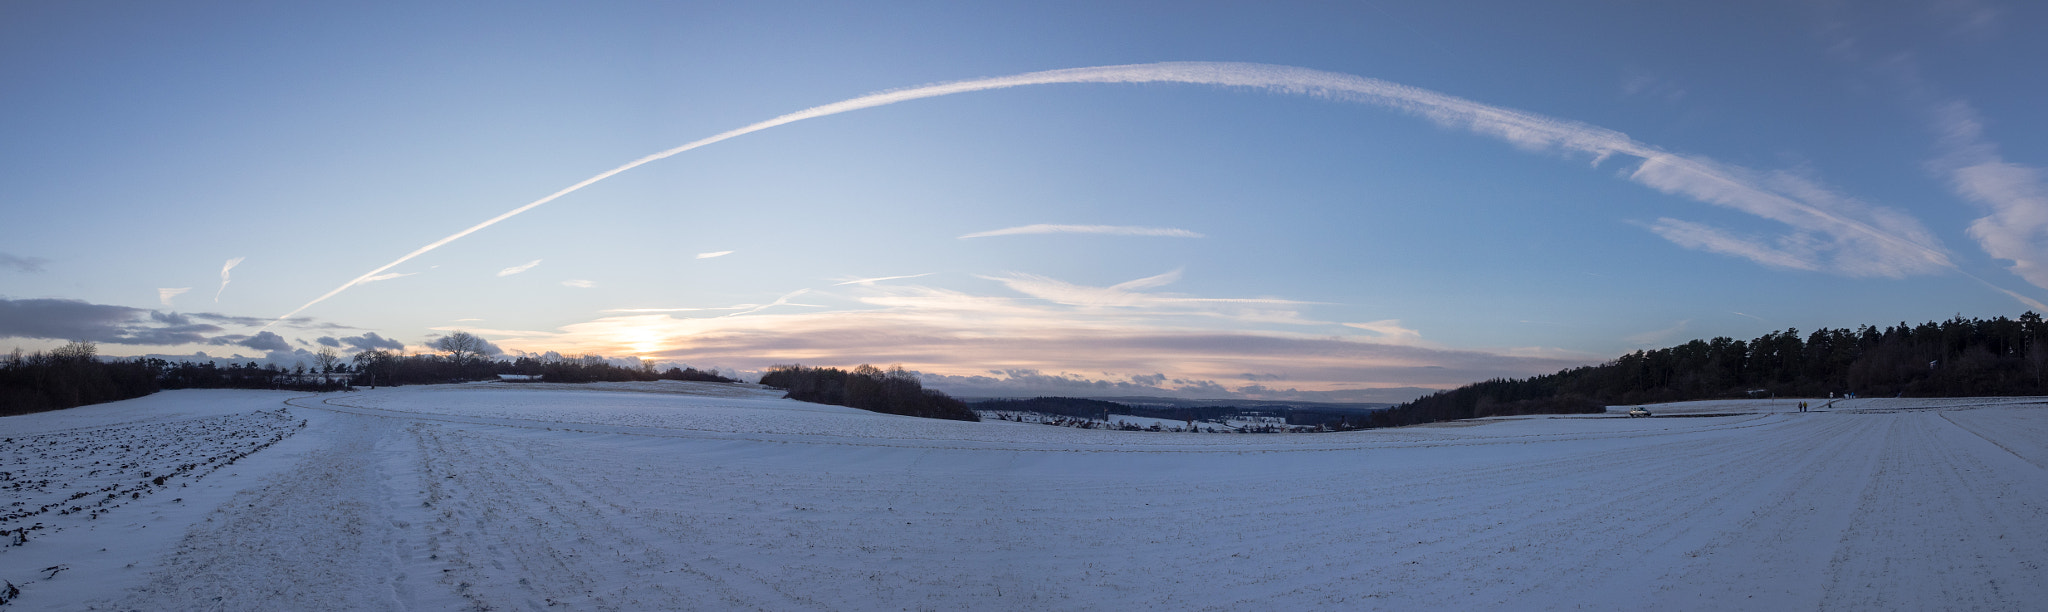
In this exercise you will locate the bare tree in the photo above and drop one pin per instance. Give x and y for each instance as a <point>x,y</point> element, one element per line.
<point>373,362</point>
<point>77,350</point>
<point>367,358</point>
<point>327,359</point>
<point>461,346</point>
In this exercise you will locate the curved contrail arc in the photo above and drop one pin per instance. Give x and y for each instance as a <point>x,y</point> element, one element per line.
<point>1524,129</point>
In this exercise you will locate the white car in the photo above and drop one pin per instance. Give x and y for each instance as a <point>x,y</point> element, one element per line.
<point>1638,411</point>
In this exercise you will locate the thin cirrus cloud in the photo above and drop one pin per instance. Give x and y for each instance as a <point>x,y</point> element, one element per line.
<point>388,276</point>
<point>230,265</point>
<point>1659,336</point>
<point>22,264</point>
<point>164,294</point>
<point>649,310</point>
<point>1054,325</point>
<point>779,301</point>
<point>935,331</point>
<point>1389,331</point>
<point>519,268</point>
<point>713,254</point>
<point>1848,237</point>
<point>1113,230</point>
<point>2015,197</point>
<point>1790,252</point>
<point>1127,294</point>
<point>579,283</point>
<point>871,281</point>
<point>744,308</point>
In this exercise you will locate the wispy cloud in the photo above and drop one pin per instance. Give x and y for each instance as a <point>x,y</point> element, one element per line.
<point>22,264</point>
<point>1128,294</point>
<point>713,254</point>
<point>871,281</point>
<point>1639,82</point>
<point>1389,331</point>
<point>745,308</point>
<point>780,301</point>
<point>230,265</point>
<point>1114,230</point>
<point>579,283</point>
<point>649,310</point>
<point>948,333</point>
<point>2015,196</point>
<point>388,276</point>
<point>519,268</point>
<point>1851,238</point>
<point>1792,254</point>
<point>1659,336</point>
<point>164,294</point>
<point>1745,314</point>
<point>1169,344</point>
<point>1829,232</point>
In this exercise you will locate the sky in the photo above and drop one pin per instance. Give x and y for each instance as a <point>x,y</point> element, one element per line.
<point>1359,201</point>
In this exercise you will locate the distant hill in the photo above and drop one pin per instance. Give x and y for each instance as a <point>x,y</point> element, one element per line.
<point>1954,358</point>
<point>891,391</point>
<point>1339,415</point>
<point>1357,407</point>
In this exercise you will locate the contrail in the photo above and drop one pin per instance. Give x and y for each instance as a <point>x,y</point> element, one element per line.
<point>1119,230</point>
<point>781,301</point>
<point>1697,178</point>
<point>230,265</point>
<point>871,281</point>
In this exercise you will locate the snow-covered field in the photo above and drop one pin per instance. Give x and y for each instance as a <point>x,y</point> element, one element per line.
<point>698,496</point>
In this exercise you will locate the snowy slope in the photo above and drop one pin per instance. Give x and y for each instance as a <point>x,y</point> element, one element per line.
<point>675,496</point>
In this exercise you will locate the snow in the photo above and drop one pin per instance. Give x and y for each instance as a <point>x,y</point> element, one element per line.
<point>704,496</point>
<point>1119,420</point>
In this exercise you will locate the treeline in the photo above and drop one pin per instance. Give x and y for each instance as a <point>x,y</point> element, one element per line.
<point>208,375</point>
<point>892,391</point>
<point>378,367</point>
<point>74,375</point>
<point>71,375</point>
<point>1955,358</point>
<point>1498,397</point>
<point>1058,406</point>
<point>1960,357</point>
<point>1337,419</point>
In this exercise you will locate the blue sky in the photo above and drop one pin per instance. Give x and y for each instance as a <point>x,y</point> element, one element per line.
<point>1402,196</point>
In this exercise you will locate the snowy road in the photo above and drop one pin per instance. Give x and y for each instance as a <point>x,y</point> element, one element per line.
<point>660,496</point>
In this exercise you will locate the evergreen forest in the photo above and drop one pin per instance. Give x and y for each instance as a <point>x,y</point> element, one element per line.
<point>1960,357</point>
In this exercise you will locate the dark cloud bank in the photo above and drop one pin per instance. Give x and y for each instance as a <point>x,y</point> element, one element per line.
<point>78,320</point>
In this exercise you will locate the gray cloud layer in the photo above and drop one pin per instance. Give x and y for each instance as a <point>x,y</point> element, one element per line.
<point>79,320</point>
<point>365,342</point>
<point>63,319</point>
<point>263,341</point>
